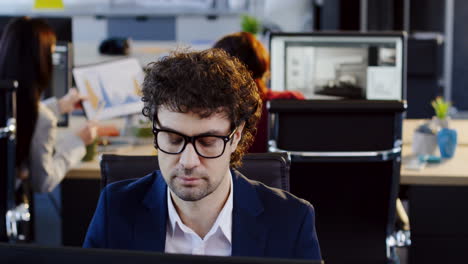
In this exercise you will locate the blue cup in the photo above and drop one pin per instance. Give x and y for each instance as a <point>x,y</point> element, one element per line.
<point>447,141</point>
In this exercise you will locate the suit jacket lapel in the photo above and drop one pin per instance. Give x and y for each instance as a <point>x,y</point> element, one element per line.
<point>249,235</point>
<point>151,218</point>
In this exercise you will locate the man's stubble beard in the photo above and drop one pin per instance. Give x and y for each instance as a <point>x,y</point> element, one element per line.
<point>191,193</point>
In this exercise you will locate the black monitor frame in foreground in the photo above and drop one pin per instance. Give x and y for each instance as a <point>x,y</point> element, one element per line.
<point>340,65</point>
<point>19,254</point>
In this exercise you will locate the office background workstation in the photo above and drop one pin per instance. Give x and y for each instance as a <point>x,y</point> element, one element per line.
<point>446,174</point>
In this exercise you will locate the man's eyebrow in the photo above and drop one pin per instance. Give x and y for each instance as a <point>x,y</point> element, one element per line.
<point>211,132</point>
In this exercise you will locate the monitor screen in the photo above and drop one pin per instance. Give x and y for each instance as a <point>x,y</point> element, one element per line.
<point>61,75</point>
<point>339,65</point>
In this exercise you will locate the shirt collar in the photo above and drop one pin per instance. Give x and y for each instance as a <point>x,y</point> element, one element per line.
<point>223,221</point>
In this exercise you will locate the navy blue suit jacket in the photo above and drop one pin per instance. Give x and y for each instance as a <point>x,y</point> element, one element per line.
<point>266,222</point>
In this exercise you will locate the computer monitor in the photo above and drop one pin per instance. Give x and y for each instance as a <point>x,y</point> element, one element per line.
<point>61,75</point>
<point>62,27</point>
<point>340,65</point>
<point>37,254</point>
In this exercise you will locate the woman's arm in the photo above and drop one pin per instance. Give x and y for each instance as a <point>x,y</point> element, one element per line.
<point>51,158</point>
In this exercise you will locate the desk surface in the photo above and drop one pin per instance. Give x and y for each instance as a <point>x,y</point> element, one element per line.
<point>91,169</point>
<point>449,172</point>
<point>453,171</point>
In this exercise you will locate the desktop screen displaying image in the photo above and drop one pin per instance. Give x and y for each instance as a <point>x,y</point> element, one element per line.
<point>339,66</point>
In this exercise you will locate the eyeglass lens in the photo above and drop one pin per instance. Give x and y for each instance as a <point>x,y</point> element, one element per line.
<point>206,146</point>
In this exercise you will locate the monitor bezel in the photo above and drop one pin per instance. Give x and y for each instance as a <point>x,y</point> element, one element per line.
<point>24,253</point>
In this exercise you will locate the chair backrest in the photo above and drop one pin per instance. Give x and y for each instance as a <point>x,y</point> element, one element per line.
<point>345,160</point>
<point>7,151</point>
<point>272,169</point>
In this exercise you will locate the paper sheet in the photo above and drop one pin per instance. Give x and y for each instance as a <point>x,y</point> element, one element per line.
<point>113,88</point>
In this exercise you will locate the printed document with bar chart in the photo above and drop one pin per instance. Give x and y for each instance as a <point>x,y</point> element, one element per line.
<point>113,88</point>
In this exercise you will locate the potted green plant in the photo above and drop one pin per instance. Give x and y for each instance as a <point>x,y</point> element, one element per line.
<point>250,24</point>
<point>446,138</point>
<point>441,109</point>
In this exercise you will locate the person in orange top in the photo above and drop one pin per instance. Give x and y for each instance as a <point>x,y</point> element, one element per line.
<point>250,51</point>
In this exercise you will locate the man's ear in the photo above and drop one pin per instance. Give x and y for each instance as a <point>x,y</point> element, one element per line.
<point>237,136</point>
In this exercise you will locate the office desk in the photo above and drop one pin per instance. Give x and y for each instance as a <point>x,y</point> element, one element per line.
<point>80,193</point>
<point>437,197</point>
<point>450,172</point>
<point>91,169</point>
<point>454,171</point>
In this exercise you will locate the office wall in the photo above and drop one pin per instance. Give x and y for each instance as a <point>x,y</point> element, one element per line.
<point>88,28</point>
<point>201,28</point>
<point>188,29</point>
<point>147,28</point>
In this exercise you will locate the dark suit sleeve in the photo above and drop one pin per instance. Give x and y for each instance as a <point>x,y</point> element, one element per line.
<point>96,237</point>
<point>307,245</point>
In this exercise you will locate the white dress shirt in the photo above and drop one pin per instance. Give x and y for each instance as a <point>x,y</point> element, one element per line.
<point>183,240</point>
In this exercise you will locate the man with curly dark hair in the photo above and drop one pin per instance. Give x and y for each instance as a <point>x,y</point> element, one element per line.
<point>204,107</point>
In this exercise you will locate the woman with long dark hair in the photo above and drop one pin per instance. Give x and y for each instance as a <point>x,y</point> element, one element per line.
<point>250,51</point>
<point>26,48</point>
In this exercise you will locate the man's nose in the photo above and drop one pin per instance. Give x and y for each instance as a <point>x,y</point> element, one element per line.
<point>189,157</point>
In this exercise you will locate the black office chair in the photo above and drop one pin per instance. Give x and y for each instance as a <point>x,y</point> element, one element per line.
<point>345,160</point>
<point>8,212</point>
<point>7,152</point>
<point>272,169</point>
<point>15,205</point>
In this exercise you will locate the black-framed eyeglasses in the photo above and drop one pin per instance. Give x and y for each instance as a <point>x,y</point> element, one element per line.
<point>206,146</point>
